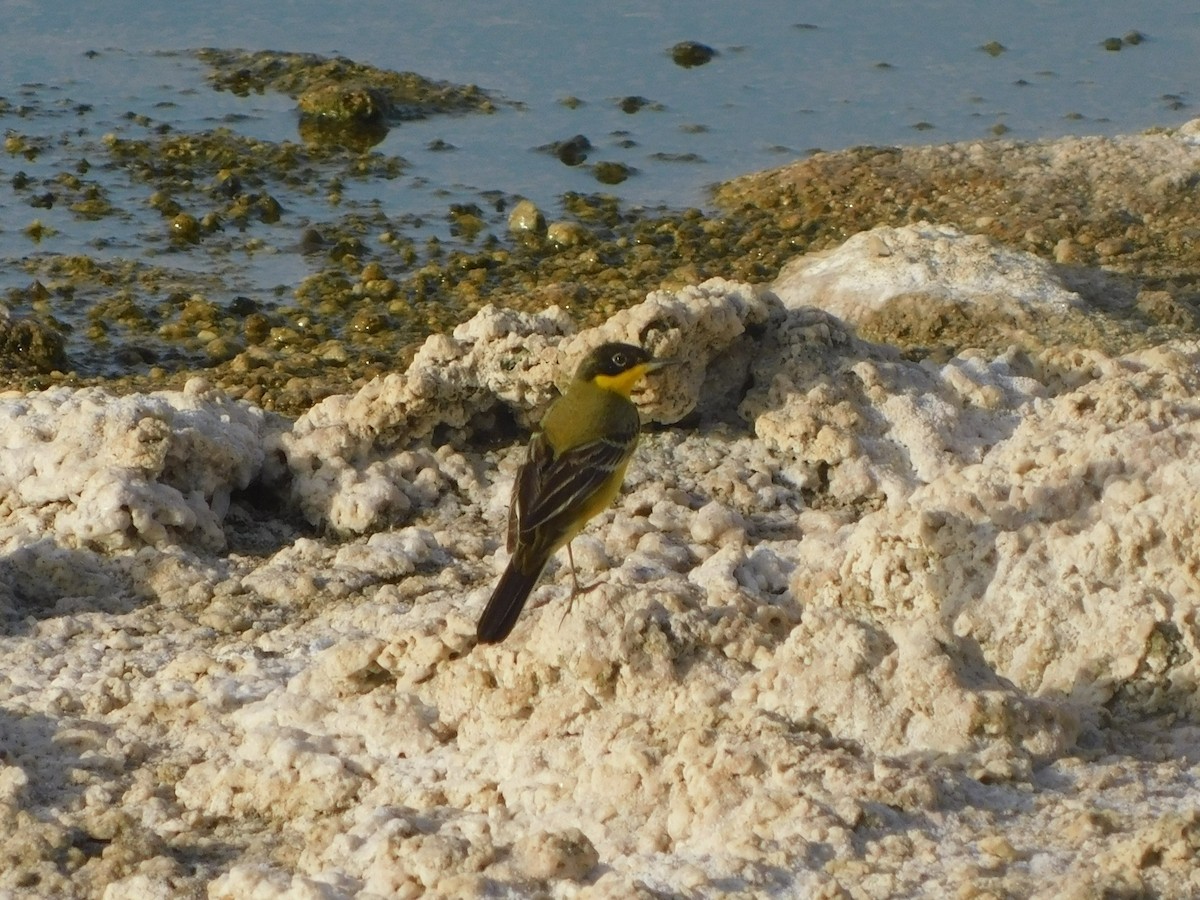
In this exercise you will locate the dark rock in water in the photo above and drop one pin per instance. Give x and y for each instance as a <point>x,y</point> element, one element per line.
<point>312,241</point>
<point>572,151</point>
<point>611,172</point>
<point>28,346</point>
<point>349,103</point>
<point>354,116</point>
<point>692,53</point>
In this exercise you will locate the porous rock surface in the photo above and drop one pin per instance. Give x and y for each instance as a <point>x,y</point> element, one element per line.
<point>867,625</point>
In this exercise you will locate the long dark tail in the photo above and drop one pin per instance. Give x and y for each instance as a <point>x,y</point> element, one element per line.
<point>508,599</point>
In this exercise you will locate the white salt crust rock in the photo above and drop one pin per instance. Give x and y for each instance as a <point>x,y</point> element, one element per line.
<point>873,426</point>
<point>342,465</point>
<point>97,470</point>
<point>869,628</point>
<point>937,262</point>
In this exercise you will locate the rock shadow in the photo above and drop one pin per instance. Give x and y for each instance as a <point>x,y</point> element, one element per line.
<point>260,522</point>
<point>43,580</point>
<point>36,768</point>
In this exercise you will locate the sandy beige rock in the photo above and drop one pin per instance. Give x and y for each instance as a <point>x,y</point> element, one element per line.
<point>866,626</point>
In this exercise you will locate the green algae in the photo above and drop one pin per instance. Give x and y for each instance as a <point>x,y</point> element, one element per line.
<point>372,286</point>
<point>399,95</point>
<point>366,287</point>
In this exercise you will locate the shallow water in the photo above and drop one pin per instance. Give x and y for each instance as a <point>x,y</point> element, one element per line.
<point>788,78</point>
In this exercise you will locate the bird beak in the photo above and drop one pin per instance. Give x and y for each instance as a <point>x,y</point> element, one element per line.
<point>655,364</point>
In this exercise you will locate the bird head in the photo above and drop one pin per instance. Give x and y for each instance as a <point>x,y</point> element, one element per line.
<point>619,367</point>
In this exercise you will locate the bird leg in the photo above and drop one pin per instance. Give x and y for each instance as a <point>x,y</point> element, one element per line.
<point>577,589</point>
<point>575,578</point>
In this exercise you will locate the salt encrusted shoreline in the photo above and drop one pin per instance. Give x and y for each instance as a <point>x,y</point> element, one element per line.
<point>868,626</point>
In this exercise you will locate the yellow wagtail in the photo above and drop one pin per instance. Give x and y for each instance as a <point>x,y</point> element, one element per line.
<point>573,471</point>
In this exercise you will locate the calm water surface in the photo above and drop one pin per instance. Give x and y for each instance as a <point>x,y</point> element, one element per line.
<point>790,77</point>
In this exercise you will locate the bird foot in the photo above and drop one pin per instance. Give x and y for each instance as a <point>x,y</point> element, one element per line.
<point>586,588</point>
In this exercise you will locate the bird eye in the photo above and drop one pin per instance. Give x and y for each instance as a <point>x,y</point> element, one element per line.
<point>619,360</point>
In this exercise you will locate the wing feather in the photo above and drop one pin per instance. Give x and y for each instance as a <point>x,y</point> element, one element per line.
<point>551,490</point>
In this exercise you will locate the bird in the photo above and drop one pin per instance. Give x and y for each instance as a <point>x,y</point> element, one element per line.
<point>573,470</point>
